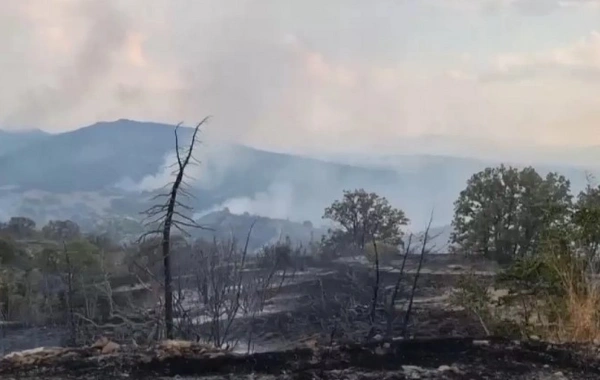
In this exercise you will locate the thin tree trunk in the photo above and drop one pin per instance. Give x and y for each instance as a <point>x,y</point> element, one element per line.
<point>414,286</point>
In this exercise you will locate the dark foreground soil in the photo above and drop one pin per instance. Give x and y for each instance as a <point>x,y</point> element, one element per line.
<point>449,358</point>
<point>314,334</point>
<point>338,302</point>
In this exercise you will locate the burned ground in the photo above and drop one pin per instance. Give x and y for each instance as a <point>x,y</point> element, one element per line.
<point>318,326</point>
<point>450,358</point>
<point>333,303</point>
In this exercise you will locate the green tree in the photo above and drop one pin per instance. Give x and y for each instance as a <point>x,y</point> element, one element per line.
<point>362,217</point>
<point>83,257</point>
<point>504,212</point>
<point>20,227</point>
<point>544,210</point>
<point>60,230</point>
<point>586,220</point>
<point>8,251</point>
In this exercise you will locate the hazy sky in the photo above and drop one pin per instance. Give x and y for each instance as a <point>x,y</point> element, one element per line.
<point>351,74</point>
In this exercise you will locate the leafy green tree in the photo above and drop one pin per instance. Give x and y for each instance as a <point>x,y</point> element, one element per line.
<point>8,251</point>
<point>484,214</point>
<point>586,220</point>
<point>20,227</point>
<point>545,209</point>
<point>83,257</point>
<point>362,217</point>
<point>60,230</point>
<point>504,212</point>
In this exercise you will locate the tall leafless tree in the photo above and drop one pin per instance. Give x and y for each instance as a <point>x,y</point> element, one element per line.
<point>391,317</point>
<point>411,299</point>
<point>162,217</point>
<point>69,296</point>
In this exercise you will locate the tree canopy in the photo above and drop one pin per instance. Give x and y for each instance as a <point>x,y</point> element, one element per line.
<point>60,230</point>
<point>362,217</point>
<point>505,212</point>
<point>586,218</point>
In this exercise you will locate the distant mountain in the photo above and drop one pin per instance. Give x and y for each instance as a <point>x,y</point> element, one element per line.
<point>88,159</point>
<point>11,141</point>
<point>114,168</point>
<point>487,150</point>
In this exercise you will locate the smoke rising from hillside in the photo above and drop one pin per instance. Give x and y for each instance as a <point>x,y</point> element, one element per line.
<point>282,199</point>
<point>211,160</point>
<point>292,188</point>
<point>276,202</point>
<point>305,76</point>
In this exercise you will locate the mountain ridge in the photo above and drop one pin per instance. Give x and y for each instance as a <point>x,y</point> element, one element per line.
<point>124,161</point>
<point>11,141</point>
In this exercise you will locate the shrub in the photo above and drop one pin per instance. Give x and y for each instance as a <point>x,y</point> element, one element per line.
<point>553,296</point>
<point>475,296</point>
<point>8,251</point>
<point>578,310</point>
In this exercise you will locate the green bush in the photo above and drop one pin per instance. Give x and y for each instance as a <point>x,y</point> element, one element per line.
<point>8,251</point>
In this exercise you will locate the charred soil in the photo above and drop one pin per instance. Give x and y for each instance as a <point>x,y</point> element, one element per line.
<point>449,358</point>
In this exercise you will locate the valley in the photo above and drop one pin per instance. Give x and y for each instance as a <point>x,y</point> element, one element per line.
<point>268,269</point>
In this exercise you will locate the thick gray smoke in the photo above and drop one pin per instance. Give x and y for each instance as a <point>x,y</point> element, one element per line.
<point>209,164</point>
<point>104,36</point>
<point>318,76</point>
<point>276,75</point>
<point>276,202</point>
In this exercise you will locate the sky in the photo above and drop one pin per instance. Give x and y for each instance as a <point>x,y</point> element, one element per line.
<point>310,75</point>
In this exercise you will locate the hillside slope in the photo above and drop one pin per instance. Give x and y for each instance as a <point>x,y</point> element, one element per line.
<point>89,158</point>
<point>122,159</point>
<point>11,141</point>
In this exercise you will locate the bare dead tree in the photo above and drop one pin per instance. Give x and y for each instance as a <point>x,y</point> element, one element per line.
<point>391,318</point>
<point>416,279</point>
<point>229,291</point>
<point>375,289</point>
<point>239,286</point>
<point>104,286</point>
<point>69,296</point>
<point>260,288</point>
<point>163,217</point>
<point>212,303</point>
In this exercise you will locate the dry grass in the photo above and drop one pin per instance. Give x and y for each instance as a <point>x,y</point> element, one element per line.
<point>582,322</point>
<point>565,307</point>
<point>579,308</point>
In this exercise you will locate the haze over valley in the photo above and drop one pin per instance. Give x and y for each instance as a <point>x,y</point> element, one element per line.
<point>111,170</point>
<point>409,115</point>
<point>272,189</point>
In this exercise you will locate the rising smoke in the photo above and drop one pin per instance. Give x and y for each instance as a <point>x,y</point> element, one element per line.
<point>276,202</point>
<point>211,160</point>
<point>272,74</point>
<point>102,40</point>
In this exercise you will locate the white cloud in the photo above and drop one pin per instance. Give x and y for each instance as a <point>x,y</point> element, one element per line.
<point>582,57</point>
<point>550,95</point>
<point>589,4</point>
<point>527,7</point>
<point>281,76</point>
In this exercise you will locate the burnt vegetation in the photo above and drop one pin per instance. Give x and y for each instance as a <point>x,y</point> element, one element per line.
<point>368,295</point>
